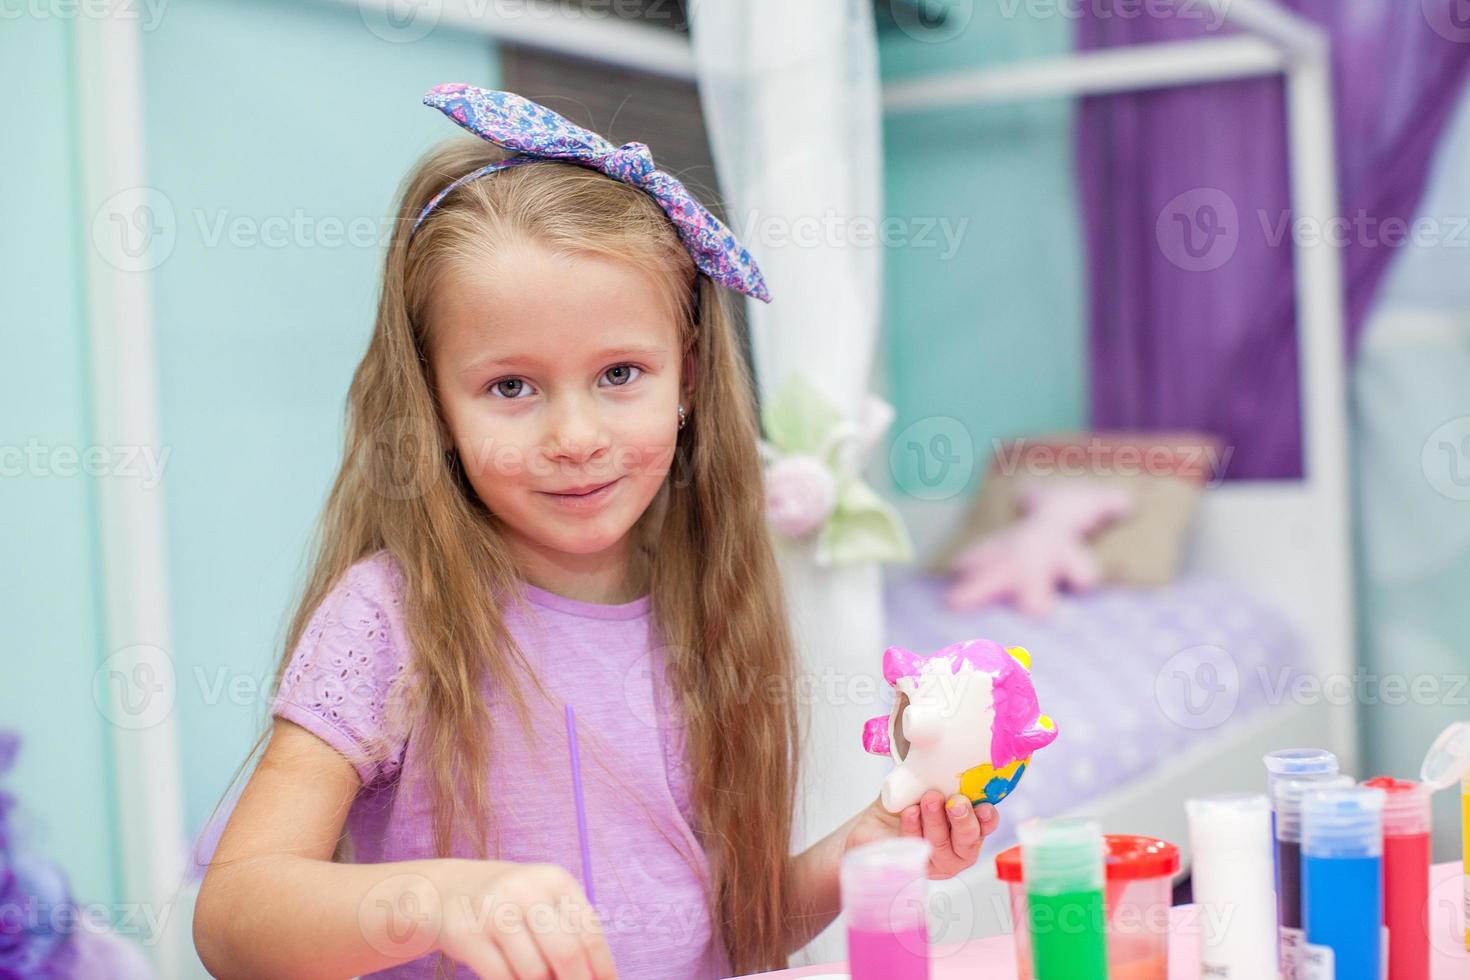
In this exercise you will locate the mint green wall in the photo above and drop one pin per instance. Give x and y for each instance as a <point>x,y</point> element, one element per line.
<point>1411,407</point>
<point>48,588</point>
<point>272,117</point>
<point>291,123</point>
<point>993,335</point>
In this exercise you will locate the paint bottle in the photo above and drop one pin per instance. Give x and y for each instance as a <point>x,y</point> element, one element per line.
<point>1062,863</point>
<point>1285,764</point>
<point>1342,882</point>
<point>1230,840</point>
<point>883,895</point>
<point>1296,764</point>
<point>1299,764</point>
<point>1448,762</point>
<point>1139,872</point>
<point>1406,831</point>
<point>1288,814</point>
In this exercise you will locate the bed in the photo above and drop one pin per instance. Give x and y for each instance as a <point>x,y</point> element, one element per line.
<point>1160,693</point>
<point>1139,675</point>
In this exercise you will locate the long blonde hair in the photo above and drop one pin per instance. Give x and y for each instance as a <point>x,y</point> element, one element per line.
<point>715,590</point>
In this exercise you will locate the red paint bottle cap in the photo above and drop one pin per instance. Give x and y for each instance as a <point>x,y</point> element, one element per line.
<point>1406,808</point>
<point>1126,857</point>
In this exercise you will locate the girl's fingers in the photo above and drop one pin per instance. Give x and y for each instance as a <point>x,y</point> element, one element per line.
<point>989,818</point>
<point>599,955</point>
<point>521,952</point>
<point>562,950</point>
<point>964,830</point>
<point>488,963</point>
<point>936,824</point>
<point>574,947</point>
<point>911,825</point>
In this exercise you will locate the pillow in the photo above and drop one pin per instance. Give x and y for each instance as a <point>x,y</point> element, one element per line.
<point>1163,472</point>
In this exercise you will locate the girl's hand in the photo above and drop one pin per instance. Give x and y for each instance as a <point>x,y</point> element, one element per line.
<point>955,829</point>
<point>511,921</point>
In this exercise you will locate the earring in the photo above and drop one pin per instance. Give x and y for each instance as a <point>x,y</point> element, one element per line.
<point>683,416</point>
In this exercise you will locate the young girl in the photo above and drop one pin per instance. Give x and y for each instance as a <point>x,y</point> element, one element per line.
<point>550,494</point>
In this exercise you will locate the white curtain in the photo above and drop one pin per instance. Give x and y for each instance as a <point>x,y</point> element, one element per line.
<point>791,99</point>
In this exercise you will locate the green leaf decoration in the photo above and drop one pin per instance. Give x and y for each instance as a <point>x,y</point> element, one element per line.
<point>863,527</point>
<point>798,417</point>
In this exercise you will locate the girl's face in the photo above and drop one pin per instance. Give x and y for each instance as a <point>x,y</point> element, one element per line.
<point>558,374</point>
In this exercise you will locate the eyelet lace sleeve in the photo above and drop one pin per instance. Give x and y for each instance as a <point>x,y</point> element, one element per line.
<point>341,681</point>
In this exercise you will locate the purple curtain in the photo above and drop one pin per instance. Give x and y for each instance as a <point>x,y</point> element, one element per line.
<point>1188,222</point>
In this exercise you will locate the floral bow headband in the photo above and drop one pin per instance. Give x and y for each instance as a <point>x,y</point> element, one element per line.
<point>534,132</point>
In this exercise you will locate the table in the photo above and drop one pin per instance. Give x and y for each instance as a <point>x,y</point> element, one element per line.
<point>993,958</point>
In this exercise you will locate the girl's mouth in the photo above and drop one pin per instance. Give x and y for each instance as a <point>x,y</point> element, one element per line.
<point>583,501</point>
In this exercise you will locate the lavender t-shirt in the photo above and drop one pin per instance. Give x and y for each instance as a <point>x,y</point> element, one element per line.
<point>648,870</point>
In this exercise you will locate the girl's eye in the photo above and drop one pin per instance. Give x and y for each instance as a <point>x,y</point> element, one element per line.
<point>509,388</point>
<point>512,389</point>
<point>619,374</point>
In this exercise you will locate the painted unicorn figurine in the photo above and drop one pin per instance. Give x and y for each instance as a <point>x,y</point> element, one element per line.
<point>965,720</point>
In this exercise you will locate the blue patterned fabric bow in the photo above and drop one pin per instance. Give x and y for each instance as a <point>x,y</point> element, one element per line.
<point>535,132</point>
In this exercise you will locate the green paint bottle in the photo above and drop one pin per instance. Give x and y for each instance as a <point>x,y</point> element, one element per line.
<point>1062,862</point>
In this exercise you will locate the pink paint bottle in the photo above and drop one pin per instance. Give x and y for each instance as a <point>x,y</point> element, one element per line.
<point>883,897</point>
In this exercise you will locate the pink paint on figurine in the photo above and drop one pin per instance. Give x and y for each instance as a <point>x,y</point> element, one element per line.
<point>965,720</point>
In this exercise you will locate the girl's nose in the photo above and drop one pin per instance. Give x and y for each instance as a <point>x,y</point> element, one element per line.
<point>577,434</point>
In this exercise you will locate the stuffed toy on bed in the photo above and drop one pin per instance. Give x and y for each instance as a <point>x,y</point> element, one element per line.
<point>1046,550</point>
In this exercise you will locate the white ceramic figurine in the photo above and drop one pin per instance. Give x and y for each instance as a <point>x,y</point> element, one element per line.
<point>965,720</point>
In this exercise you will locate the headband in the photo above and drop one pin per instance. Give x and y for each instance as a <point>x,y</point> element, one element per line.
<point>534,132</point>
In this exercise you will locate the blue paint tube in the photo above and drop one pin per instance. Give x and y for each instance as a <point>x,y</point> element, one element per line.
<point>1342,882</point>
